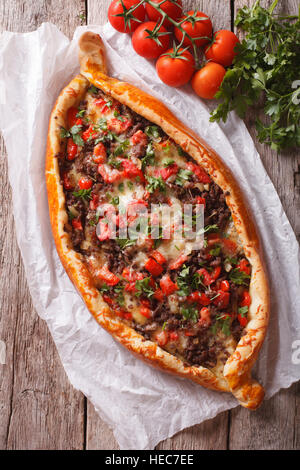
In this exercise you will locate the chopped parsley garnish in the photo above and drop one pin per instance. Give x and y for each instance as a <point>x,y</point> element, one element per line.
<point>155,184</point>
<point>243,311</point>
<point>189,313</point>
<point>125,242</point>
<point>222,323</point>
<point>168,163</point>
<point>148,159</point>
<point>84,194</point>
<point>238,277</point>
<point>152,132</point>
<point>74,133</point>
<point>215,251</point>
<point>121,148</point>
<point>81,113</point>
<point>142,288</point>
<point>121,187</point>
<point>182,177</point>
<point>93,90</point>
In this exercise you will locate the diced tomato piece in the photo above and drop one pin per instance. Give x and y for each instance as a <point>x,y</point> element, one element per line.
<point>201,200</point>
<point>127,315</point>
<point>199,172</point>
<point>167,285</point>
<point>204,316</point>
<point>108,299</point>
<point>173,335</point>
<point>94,203</point>
<point>162,338</point>
<point>178,262</point>
<point>66,181</point>
<point>103,232</point>
<point>158,257</point>
<point>224,285</point>
<point>222,300</point>
<point>215,273</point>
<point>85,183</point>
<point>117,126</point>
<point>132,171</point>
<point>229,246</point>
<point>107,276</point>
<point>101,103</point>
<point>109,175</point>
<point>246,299</point>
<point>77,224</point>
<point>130,287</point>
<point>139,138</point>
<point>130,275</point>
<point>244,266</point>
<point>212,239</point>
<point>90,133</point>
<point>146,312</point>
<point>243,320</point>
<point>207,280</point>
<point>72,118</point>
<point>198,297</point>
<point>99,155</point>
<point>159,295</point>
<point>145,303</point>
<point>72,149</point>
<point>153,267</point>
<point>168,171</point>
<point>190,333</point>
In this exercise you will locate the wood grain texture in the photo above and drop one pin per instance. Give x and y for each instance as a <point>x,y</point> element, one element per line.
<point>38,407</point>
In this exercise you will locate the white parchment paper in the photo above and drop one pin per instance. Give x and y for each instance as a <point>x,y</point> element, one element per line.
<point>143,406</point>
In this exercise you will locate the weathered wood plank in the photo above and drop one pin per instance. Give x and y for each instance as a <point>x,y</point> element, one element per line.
<point>213,433</point>
<point>39,408</point>
<point>276,424</point>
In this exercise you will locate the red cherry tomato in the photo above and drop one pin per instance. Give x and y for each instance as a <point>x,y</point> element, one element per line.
<point>224,285</point>
<point>204,316</point>
<point>196,28</point>
<point>173,10</point>
<point>90,133</point>
<point>170,170</point>
<point>66,181</point>
<point>175,69</point>
<point>243,320</point>
<point>206,81</point>
<point>221,50</point>
<point>134,19</point>
<point>139,138</point>
<point>173,336</point>
<point>149,43</point>
<point>85,183</point>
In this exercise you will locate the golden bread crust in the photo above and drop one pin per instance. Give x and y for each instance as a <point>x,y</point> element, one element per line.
<point>237,378</point>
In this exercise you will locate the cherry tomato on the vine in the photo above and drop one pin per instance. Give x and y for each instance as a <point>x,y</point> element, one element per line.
<point>172,9</point>
<point>129,21</point>
<point>173,69</point>
<point>206,81</point>
<point>197,25</point>
<point>150,41</point>
<point>221,50</point>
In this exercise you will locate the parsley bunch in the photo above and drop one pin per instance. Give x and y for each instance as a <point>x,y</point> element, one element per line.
<point>266,70</point>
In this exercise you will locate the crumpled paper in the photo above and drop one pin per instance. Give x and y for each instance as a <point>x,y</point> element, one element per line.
<point>143,406</point>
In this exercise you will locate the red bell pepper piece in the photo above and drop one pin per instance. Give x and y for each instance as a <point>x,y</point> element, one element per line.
<point>153,267</point>
<point>107,276</point>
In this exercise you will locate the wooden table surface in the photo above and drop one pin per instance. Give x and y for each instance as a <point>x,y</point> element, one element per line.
<point>39,409</point>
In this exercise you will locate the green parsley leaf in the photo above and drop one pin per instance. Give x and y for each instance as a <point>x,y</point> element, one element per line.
<point>84,194</point>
